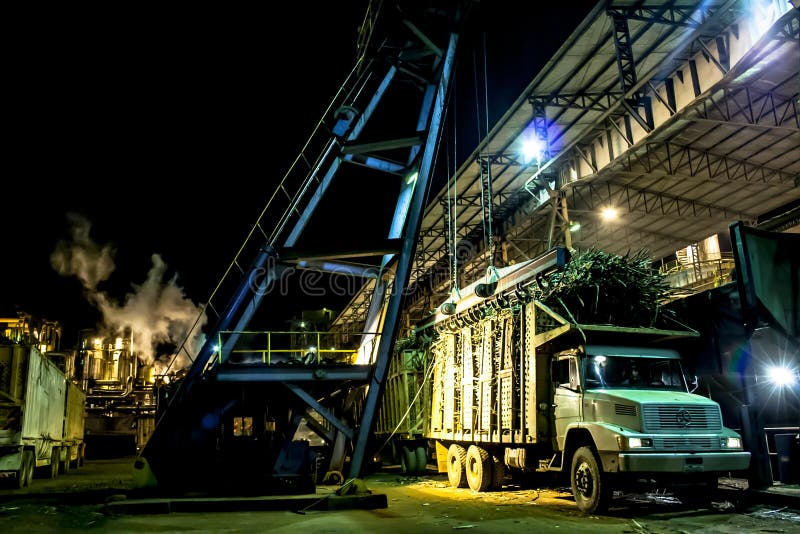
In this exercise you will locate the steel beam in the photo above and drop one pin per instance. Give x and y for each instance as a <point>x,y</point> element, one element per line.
<point>405,260</point>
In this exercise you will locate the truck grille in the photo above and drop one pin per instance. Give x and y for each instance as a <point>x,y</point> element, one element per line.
<point>681,417</point>
<point>686,443</point>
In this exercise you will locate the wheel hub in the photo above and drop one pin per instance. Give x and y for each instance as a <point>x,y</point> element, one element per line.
<point>583,479</point>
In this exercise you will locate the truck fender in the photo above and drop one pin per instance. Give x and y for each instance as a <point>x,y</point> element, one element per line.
<point>601,437</point>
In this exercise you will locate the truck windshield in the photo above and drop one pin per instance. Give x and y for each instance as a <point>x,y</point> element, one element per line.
<point>612,372</point>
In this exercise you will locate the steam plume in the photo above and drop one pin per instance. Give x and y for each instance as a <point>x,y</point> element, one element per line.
<point>156,311</point>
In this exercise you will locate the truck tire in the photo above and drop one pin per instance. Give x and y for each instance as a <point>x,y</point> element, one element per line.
<point>590,487</point>
<point>73,464</point>
<point>54,461</point>
<point>422,459</point>
<point>479,468</point>
<point>409,460</point>
<point>456,466</point>
<point>498,473</point>
<point>25,474</point>
<point>63,466</point>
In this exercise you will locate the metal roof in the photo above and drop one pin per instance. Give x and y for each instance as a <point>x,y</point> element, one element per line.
<point>682,115</point>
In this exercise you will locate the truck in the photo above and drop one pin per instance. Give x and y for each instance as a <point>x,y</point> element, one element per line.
<point>517,387</point>
<point>42,415</point>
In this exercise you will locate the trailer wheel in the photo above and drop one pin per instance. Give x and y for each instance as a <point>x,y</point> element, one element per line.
<point>422,459</point>
<point>479,468</point>
<point>408,463</point>
<point>456,466</point>
<point>63,466</point>
<point>25,474</point>
<point>498,473</point>
<point>590,488</point>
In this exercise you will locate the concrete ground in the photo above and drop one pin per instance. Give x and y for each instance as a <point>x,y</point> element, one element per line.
<point>92,499</point>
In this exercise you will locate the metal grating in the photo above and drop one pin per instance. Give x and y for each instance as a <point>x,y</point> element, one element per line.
<point>682,418</point>
<point>687,443</point>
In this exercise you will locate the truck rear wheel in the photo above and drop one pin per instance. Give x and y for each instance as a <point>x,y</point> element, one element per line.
<point>421,454</point>
<point>456,466</point>
<point>498,473</point>
<point>25,474</point>
<point>479,468</point>
<point>54,461</point>
<point>590,488</point>
<point>64,466</point>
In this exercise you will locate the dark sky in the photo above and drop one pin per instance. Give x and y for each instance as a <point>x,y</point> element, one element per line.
<point>165,128</point>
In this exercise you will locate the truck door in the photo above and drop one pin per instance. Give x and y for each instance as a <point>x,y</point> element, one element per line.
<point>567,397</point>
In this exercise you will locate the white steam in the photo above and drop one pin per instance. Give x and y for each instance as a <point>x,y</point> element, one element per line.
<point>82,257</point>
<point>156,311</point>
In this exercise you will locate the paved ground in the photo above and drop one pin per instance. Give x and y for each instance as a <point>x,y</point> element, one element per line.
<point>75,502</point>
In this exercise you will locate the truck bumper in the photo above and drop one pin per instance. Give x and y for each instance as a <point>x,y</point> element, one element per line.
<point>683,462</point>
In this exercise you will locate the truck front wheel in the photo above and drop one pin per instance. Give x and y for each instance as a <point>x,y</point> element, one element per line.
<point>456,466</point>
<point>590,488</point>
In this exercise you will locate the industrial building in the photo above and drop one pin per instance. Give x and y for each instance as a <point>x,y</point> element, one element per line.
<point>666,127</point>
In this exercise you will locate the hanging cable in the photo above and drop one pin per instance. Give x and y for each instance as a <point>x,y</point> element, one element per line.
<point>449,307</point>
<point>488,165</point>
<point>488,288</point>
<point>454,266</point>
<point>480,137</point>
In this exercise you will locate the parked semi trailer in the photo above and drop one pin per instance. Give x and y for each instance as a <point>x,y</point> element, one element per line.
<point>41,416</point>
<point>517,386</point>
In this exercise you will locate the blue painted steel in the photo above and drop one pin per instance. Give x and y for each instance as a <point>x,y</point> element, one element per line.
<point>326,181</point>
<point>403,272</point>
<point>207,350</point>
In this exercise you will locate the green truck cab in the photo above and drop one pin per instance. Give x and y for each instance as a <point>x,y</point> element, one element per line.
<point>622,414</point>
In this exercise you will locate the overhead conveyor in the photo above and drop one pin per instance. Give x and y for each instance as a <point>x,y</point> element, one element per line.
<point>230,424</point>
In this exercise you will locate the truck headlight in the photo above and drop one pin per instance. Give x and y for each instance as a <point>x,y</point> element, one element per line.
<point>633,443</point>
<point>731,443</point>
<point>636,443</point>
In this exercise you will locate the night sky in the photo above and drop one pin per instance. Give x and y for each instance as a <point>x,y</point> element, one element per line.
<point>165,128</point>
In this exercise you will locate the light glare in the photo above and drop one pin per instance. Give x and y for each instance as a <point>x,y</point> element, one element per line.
<point>609,214</point>
<point>532,149</point>
<point>781,376</point>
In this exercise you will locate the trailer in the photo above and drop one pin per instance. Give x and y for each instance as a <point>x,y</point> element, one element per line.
<point>518,388</point>
<point>402,420</point>
<point>41,416</point>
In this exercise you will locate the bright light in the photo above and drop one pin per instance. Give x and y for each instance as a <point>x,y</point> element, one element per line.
<point>97,341</point>
<point>533,149</point>
<point>574,226</point>
<point>609,214</point>
<point>118,344</point>
<point>600,359</point>
<point>215,348</point>
<point>412,178</point>
<point>781,376</point>
<point>634,443</point>
<point>733,443</point>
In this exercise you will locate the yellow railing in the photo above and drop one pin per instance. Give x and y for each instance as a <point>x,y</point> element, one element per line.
<point>300,347</point>
<point>699,274</point>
